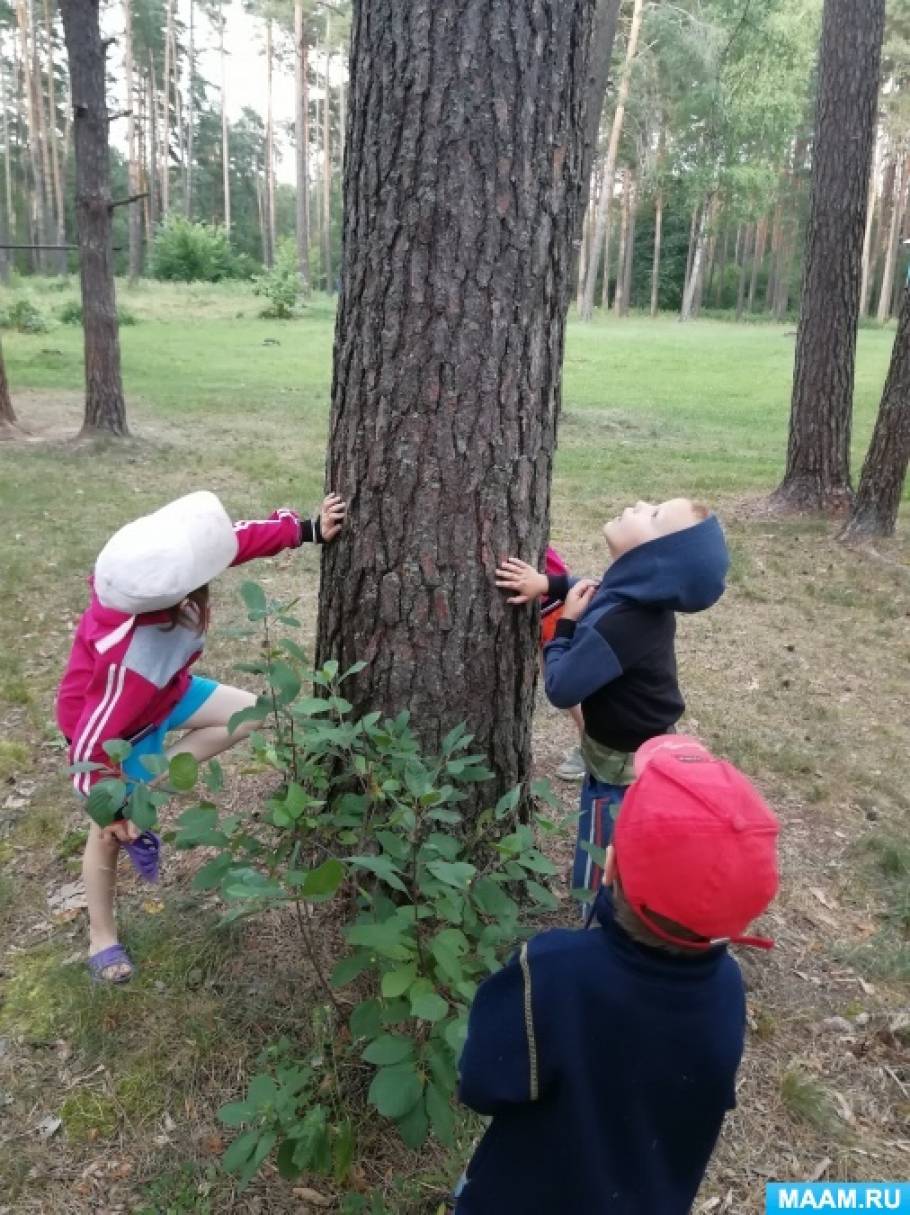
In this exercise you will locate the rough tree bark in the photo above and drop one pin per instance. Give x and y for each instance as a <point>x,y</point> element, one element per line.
<point>461,210</point>
<point>606,195</point>
<point>818,454</point>
<point>133,178</point>
<point>302,134</point>
<point>327,169</point>
<point>8,228</point>
<point>881,482</point>
<point>104,407</point>
<point>9,423</point>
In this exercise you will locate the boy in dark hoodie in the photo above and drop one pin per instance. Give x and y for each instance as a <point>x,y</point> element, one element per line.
<point>613,650</point>
<point>607,1058</point>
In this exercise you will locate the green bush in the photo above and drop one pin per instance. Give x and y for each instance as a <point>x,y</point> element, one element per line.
<point>25,317</point>
<point>71,314</point>
<point>282,285</point>
<point>188,253</point>
<point>429,901</point>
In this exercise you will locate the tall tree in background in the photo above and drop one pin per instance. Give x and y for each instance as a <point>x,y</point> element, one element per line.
<point>302,138</point>
<point>190,115</point>
<point>57,167</point>
<point>9,425</point>
<point>460,216</point>
<point>602,222</point>
<point>105,411</point>
<point>327,163</point>
<point>818,454</point>
<point>225,132</point>
<point>881,483</point>
<point>41,231</point>
<point>135,216</point>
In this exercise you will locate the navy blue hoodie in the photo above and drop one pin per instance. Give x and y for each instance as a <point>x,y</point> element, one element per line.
<point>608,1068</point>
<point>618,662</point>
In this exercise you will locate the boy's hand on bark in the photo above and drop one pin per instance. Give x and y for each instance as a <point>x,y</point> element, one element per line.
<point>522,580</point>
<point>331,516</point>
<point>579,597</point>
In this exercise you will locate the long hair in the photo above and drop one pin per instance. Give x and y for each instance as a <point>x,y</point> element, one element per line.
<point>191,613</point>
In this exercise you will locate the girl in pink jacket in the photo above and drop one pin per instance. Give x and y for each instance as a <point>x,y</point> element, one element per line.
<point>128,675</point>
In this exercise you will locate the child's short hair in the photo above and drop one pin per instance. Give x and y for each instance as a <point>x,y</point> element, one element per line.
<point>700,511</point>
<point>638,930</point>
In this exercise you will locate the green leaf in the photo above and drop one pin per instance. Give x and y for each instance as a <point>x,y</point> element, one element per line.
<point>212,872</point>
<point>240,1151</point>
<point>396,982</point>
<point>285,1160</point>
<point>322,883</point>
<point>414,1126</point>
<point>214,776</point>
<point>250,884</point>
<point>262,1091</point>
<point>183,771</point>
<point>343,1146</point>
<point>86,766</point>
<point>140,808</point>
<point>429,1006</point>
<point>439,1109</point>
<point>365,1020</point>
<point>285,681</point>
<point>310,706</point>
<point>597,854</point>
<point>254,598</point>
<point>455,1034</point>
<point>383,867</point>
<point>451,817</point>
<point>540,864</point>
<point>544,790</point>
<point>354,669</point>
<point>387,939</point>
<point>296,651</point>
<point>347,970</point>
<point>235,1113</point>
<point>389,1049</point>
<point>395,1090</point>
<point>453,873</point>
<point>395,845</point>
<point>507,802</point>
<point>104,801</point>
<point>489,896</point>
<point>456,739</point>
<point>541,895</point>
<point>263,1147</point>
<point>118,749</point>
<point>330,669</point>
<point>257,712</point>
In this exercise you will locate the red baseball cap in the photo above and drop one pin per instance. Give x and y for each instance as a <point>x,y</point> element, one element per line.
<point>696,843</point>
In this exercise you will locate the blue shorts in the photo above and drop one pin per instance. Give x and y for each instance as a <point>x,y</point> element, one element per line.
<point>600,803</point>
<point>151,740</point>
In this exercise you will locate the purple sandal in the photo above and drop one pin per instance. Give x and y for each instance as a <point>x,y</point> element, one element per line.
<point>144,853</point>
<point>114,955</point>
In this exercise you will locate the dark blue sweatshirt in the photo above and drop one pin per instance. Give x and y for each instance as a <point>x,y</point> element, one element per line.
<point>618,662</point>
<point>608,1068</point>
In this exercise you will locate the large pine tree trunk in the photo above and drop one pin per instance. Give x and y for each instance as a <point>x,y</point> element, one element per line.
<point>9,426</point>
<point>135,215</point>
<point>461,211</point>
<point>327,175</point>
<point>606,195</point>
<point>881,483</point>
<point>818,455</point>
<point>301,122</point>
<point>42,231</point>
<point>104,407</point>
<point>225,132</point>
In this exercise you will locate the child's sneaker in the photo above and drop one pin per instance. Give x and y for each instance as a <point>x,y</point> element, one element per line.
<point>572,767</point>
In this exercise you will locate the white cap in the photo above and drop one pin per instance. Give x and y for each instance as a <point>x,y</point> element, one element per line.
<point>154,562</point>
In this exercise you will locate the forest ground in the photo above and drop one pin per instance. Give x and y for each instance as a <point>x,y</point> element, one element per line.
<point>108,1099</point>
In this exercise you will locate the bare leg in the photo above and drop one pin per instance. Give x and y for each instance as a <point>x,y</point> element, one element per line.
<point>206,731</point>
<point>576,714</point>
<point>99,872</point>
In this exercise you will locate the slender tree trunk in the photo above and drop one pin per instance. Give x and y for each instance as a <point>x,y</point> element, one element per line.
<point>881,483</point>
<point>142,152</point>
<point>135,216</point>
<point>867,242</point>
<point>42,232</point>
<point>327,174</point>
<point>603,210</point>
<point>706,255</point>
<point>165,133</point>
<point>621,249</point>
<point>261,210</point>
<point>43,137</point>
<point>104,407</point>
<point>655,264</point>
<point>57,173</point>
<point>771,285</point>
<point>761,238</point>
<point>583,257</point>
<point>225,132</point>
<point>690,251</point>
<point>746,248</point>
<point>8,229</point>
<point>606,15</point>
<point>898,205</point>
<point>630,248</point>
<point>722,269</point>
<point>9,423</point>
<point>269,150</point>
<point>697,263</point>
<point>301,54</point>
<point>190,115</point>
<point>154,182</point>
<point>818,453</point>
<point>464,409</point>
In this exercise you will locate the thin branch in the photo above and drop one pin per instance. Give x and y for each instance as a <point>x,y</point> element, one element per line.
<point>118,114</point>
<point>125,202</point>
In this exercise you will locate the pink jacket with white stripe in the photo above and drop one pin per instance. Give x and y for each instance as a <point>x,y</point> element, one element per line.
<point>126,672</point>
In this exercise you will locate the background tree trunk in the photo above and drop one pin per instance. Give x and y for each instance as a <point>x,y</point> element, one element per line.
<point>448,359</point>
<point>269,152</point>
<point>302,132</point>
<point>153,168</point>
<point>104,407</point>
<point>818,453</point>
<point>606,195</point>
<point>190,116</point>
<point>8,229</point>
<point>165,133</point>
<point>881,483</point>
<point>41,232</point>
<point>56,167</point>
<point>898,205</point>
<point>746,249</point>
<point>327,172</point>
<point>135,215</point>
<point>865,281</point>
<point>606,15</point>
<point>655,265</point>
<point>9,424</point>
<point>621,248</point>
<point>225,131</point>
<point>758,257</point>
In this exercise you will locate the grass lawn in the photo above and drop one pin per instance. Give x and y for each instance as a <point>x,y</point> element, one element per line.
<point>799,674</point>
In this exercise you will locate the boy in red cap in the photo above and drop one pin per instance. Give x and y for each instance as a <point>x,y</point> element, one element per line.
<point>608,1057</point>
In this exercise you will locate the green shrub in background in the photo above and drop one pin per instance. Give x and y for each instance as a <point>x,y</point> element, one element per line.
<point>188,253</point>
